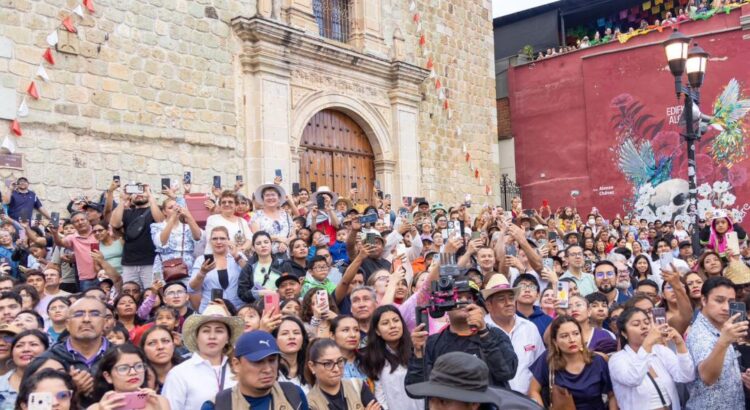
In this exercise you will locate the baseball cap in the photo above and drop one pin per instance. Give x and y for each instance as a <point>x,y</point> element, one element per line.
<point>285,277</point>
<point>256,346</point>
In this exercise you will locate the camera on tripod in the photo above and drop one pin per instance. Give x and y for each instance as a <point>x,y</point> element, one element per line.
<point>444,292</point>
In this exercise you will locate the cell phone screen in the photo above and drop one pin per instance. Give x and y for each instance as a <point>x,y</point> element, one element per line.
<point>313,186</point>
<point>295,188</point>
<point>187,177</point>
<point>321,202</point>
<point>217,294</point>
<point>563,293</point>
<point>217,181</point>
<point>166,183</point>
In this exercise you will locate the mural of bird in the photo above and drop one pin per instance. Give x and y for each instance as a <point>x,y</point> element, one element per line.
<point>640,165</point>
<point>729,113</point>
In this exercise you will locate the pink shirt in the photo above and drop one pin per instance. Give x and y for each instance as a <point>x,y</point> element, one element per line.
<point>81,246</point>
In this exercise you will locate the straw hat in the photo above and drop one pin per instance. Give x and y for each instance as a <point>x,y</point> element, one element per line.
<point>498,283</point>
<point>738,273</point>
<point>213,313</point>
<point>324,190</point>
<point>258,195</point>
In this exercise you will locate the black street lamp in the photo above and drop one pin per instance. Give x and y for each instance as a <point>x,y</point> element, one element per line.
<point>693,62</point>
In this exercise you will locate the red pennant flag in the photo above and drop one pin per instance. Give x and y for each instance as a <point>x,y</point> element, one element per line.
<point>445,104</point>
<point>422,40</point>
<point>430,64</point>
<point>438,85</point>
<point>89,4</point>
<point>32,91</point>
<point>16,128</point>
<point>476,173</point>
<point>48,56</point>
<point>468,157</point>
<point>68,23</point>
<point>416,18</point>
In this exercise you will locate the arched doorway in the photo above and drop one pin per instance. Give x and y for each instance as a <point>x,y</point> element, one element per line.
<point>337,153</point>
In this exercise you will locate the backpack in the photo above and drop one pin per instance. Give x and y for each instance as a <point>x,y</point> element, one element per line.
<point>290,390</point>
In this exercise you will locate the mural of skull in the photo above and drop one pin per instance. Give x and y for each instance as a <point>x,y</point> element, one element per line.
<point>672,193</point>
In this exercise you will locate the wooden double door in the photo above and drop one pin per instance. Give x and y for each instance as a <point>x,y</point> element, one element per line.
<point>337,154</point>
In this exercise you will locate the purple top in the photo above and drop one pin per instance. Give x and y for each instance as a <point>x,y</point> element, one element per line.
<point>587,387</point>
<point>602,342</point>
<point>88,361</point>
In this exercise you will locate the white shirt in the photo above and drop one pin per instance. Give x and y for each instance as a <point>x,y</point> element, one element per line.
<point>193,382</point>
<point>631,385</point>
<point>528,346</point>
<point>233,227</point>
<point>390,393</point>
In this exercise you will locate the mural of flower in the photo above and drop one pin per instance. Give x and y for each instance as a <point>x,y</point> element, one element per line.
<point>667,143</point>
<point>704,190</point>
<point>647,214</point>
<point>737,215</point>
<point>704,205</point>
<point>622,99</point>
<point>705,169</point>
<point>720,187</point>
<point>737,175</point>
<point>646,190</point>
<point>643,201</point>
<point>664,213</point>
<point>727,199</point>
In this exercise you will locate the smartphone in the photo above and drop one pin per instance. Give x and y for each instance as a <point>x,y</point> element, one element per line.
<point>116,179</point>
<point>371,238</point>
<point>541,243</point>
<point>354,185</point>
<point>209,257</point>
<point>277,172</point>
<point>321,299</point>
<point>665,261</point>
<point>134,189</point>
<point>217,293</point>
<point>369,218</point>
<point>396,265</point>
<point>733,243</point>
<point>321,202</point>
<point>451,229</point>
<point>738,307</point>
<point>166,183</point>
<point>187,177</point>
<point>325,239</point>
<point>217,181</point>
<point>295,188</point>
<point>40,401</point>
<point>37,219</point>
<point>660,316</point>
<point>94,247</point>
<point>380,194</point>
<point>467,200</point>
<point>407,201</point>
<point>135,400</point>
<point>549,263</point>
<point>423,317</point>
<point>271,302</point>
<point>313,186</point>
<point>528,212</point>
<point>55,219</point>
<point>510,250</point>
<point>563,293</point>
<point>553,236</point>
<point>476,235</point>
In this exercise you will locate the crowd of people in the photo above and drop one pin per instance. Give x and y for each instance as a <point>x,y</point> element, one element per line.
<point>309,300</point>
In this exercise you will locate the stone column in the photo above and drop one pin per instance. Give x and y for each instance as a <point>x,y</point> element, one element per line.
<point>384,173</point>
<point>299,14</point>
<point>366,29</point>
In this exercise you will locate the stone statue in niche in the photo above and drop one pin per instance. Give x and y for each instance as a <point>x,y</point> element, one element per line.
<point>269,9</point>
<point>68,42</point>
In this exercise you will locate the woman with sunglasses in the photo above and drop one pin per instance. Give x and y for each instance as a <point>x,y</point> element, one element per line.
<point>237,228</point>
<point>221,271</point>
<point>60,385</point>
<point>109,246</point>
<point>176,236</point>
<point>324,371</point>
<point>120,382</point>
<point>26,346</point>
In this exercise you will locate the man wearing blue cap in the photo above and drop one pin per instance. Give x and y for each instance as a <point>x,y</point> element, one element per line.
<point>256,366</point>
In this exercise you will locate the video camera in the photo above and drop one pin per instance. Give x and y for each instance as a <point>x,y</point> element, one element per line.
<point>444,291</point>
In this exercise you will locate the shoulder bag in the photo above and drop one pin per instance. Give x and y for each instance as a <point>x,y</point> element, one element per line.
<point>175,269</point>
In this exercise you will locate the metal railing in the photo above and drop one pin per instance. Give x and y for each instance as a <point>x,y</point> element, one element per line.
<point>334,18</point>
<point>508,190</point>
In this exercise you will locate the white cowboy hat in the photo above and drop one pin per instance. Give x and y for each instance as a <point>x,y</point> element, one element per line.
<point>258,195</point>
<point>213,313</point>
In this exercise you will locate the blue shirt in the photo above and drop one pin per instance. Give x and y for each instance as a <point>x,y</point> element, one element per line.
<point>540,319</point>
<point>22,204</point>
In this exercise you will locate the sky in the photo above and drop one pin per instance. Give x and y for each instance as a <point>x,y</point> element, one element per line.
<point>505,7</point>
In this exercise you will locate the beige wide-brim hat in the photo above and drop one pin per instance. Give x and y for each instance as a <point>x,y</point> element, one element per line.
<point>213,313</point>
<point>498,283</point>
<point>324,190</point>
<point>258,195</point>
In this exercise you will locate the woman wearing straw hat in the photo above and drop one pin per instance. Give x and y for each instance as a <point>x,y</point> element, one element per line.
<point>324,220</point>
<point>271,218</point>
<point>210,336</point>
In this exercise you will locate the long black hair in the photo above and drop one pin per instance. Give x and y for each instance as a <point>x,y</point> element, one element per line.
<point>107,364</point>
<point>377,352</point>
<point>176,359</point>
<point>623,320</point>
<point>283,365</point>
<point>636,274</point>
<point>317,346</point>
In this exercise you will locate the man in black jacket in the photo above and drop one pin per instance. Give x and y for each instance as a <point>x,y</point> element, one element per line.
<point>467,332</point>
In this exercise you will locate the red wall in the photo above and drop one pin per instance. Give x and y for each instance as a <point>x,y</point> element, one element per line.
<point>561,110</point>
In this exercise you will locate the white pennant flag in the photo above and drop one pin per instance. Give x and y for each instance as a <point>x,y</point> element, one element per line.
<point>425,51</point>
<point>419,27</point>
<point>450,113</point>
<point>9,143</point>
<point>79,11</point>
<point>412,5</point>
<point>23,109</point>
<point>441,94</point>
<point>464,147</point>
<point>432,73</point>
<point>52,39</point>
<point>458,134</point>
<point>42,73</point>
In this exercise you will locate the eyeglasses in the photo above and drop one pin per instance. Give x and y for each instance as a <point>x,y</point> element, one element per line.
<point>80,314</point>
<point>575,254</point>
<point>7,338</point>
<point>609,274</point>
<point>320,267</point>
<point>175,293</point>
<point>328,365</point>
<point>124,369</point>
<point>528,286</point>
<point>63,395</point>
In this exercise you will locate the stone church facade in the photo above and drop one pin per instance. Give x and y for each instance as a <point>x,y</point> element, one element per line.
<point>329,91</point>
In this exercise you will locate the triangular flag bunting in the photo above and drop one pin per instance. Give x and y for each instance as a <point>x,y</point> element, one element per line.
<point>416,17</point>
<point>89,4</point>
<point>468,157</point>
<point>445,105</point>
<point>9,143</point>
<point>42,73</point>
<point>481,182</point>
<point>463,146</point>
<point>430,64</point>
<point>476,173</point>
<point>432,73</point>
<point>412,5</point>
<point>419,27</point>
<point>52,39</point>
<point>49,57</point>
<point>450,112</point>
<point>441,94</point>
<point>458,134</point>
<point>15,126</point>
<point>32,91</point>
<point>78,11</point>
<point>68,24</point>
<point>438,85</point>
<point>425,51</point>
<point>23,109</point>
<point>422,40</point>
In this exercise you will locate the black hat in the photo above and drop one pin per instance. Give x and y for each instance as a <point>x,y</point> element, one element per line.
<point>285,277</point>
<point>92,205</point>
<point>685,244</point>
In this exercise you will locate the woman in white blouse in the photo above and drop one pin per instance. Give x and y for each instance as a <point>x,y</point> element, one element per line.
<point>645,371</point>
<point>239,230</point>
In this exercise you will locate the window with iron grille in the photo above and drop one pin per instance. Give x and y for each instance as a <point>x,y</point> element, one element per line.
<point>333,18</point>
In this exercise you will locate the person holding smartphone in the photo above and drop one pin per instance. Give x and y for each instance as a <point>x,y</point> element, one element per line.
<point>220,270</point>
<point>49,385</point>
<point>238,229</point>
<point>322,216</point>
